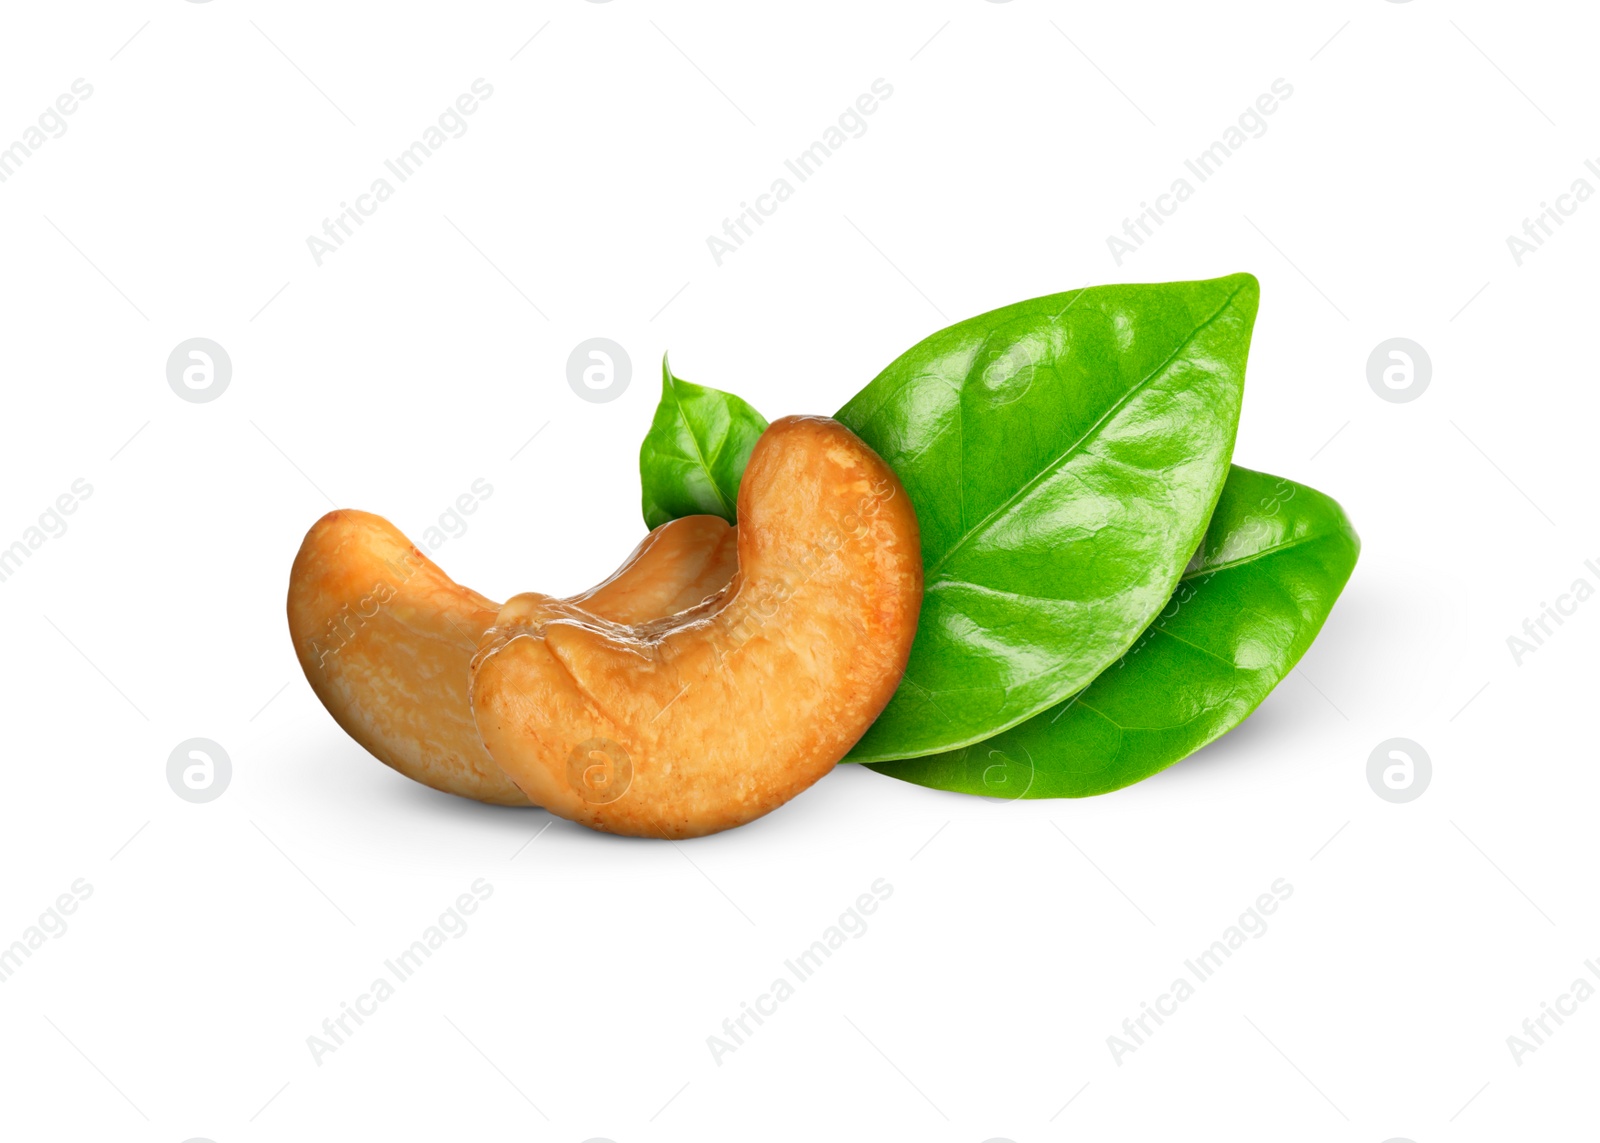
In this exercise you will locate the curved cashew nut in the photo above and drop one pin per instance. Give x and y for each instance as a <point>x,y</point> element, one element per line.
<point>385,638</point>
<point>702,720</point>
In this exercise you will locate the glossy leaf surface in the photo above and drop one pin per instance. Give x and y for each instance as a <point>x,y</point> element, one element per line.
<point>695,451</point>
<point>1063,455</point>
<point>1275,558</point>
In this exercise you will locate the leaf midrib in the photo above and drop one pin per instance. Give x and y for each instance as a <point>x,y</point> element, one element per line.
<point>1297,542</point>
<point>1262,554</point>
<point>1076,446</point>
<point>677,403</point>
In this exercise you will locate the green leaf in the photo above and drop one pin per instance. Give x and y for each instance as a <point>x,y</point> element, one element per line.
<point>695,451</point>
<point>1275,558</point>
<point>1063,455</point>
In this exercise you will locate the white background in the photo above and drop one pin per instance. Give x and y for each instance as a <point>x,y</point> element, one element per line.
<point>430,348</point>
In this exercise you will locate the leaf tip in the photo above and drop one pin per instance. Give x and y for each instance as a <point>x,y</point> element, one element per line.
<point>1247,288</point>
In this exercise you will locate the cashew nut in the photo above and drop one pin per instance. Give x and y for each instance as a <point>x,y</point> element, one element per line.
<point>385,638</point>
<point>707,718</point>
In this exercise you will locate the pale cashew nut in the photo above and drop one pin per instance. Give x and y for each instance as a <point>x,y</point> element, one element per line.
<point>708,718</point>
<point>385,637</point>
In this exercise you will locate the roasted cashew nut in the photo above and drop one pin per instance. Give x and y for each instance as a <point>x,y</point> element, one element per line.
<point>385,637</point>
<point>705,719</point>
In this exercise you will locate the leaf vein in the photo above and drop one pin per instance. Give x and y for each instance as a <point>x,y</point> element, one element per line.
<point>688,429</point>
<point>1090,433</point>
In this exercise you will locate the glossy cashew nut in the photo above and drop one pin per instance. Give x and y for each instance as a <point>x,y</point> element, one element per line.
<point>706,719</point>
<point>385,638</point>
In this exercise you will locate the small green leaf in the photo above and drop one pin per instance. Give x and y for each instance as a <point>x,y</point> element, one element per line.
<point>1275,558</point>
<point>1063,455</point>
<point>695,452</point>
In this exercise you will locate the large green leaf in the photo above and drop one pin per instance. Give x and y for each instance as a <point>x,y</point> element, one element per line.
<point>1276,556</point>
<point>1063,455</point>
<point>695,452</point>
